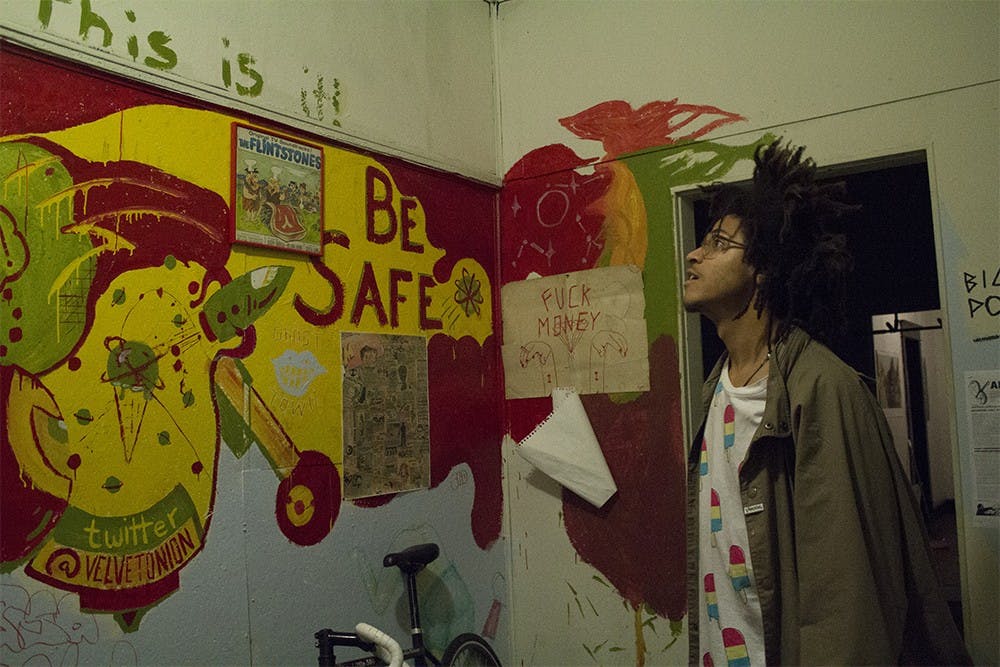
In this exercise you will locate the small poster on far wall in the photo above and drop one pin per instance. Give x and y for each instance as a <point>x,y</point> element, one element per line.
<point>890,389</point>
<point>277,192</point>
<point>983,405</point>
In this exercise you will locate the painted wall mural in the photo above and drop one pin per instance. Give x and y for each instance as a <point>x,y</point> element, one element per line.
<point>136,341</point>
<point>561,212</point>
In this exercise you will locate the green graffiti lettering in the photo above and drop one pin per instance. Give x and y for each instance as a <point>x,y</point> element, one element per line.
<point>89,19</point>
<point>245,60</point>
<point>158,41</point>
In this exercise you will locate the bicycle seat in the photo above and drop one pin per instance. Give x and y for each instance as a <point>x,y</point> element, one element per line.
<point>412,559</point>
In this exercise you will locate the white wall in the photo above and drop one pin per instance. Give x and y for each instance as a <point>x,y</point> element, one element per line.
<point>415,77</point>
<point>772,62</point>
<point>851,81</point>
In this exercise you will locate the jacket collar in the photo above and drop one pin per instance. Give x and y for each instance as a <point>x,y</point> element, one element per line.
<point>777,411</point>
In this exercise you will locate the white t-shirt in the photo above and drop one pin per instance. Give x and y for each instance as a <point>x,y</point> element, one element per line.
<point>731,630</point>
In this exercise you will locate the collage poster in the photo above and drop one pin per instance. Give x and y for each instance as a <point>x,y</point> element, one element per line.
<point>386,422</point>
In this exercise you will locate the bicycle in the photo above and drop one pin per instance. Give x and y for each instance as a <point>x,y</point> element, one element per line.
<point>467,649</point>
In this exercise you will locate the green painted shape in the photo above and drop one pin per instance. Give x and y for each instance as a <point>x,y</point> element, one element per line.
<point>131,533</point>
<point>655,173</point>
<point>129,621</point>
<point>57,430</point>
<point>240,303</point>
<point>36,202</point>
<point>133,366</point>
<point>235,432</point>
<point>115,485</point>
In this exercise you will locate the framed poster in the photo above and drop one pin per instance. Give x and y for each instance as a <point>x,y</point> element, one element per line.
<point>277,191</point>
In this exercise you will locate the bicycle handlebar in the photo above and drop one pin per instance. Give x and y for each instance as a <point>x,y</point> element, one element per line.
<point>386,648</point>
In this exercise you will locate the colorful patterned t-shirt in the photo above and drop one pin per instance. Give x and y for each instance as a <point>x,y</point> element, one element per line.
<point>731,627</point>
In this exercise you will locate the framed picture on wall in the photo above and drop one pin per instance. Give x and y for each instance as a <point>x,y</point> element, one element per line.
<point>276,191</point>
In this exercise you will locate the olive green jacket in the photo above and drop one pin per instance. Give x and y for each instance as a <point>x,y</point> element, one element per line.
<point>838,549</point>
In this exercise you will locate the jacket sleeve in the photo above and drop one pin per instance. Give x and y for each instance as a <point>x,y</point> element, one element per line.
<point>864,573</point>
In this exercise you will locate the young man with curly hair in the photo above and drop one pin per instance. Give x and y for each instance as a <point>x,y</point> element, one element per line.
<point>805,544</point>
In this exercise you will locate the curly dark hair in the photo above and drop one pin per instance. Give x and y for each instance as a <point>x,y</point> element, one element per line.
<point>801,267</point>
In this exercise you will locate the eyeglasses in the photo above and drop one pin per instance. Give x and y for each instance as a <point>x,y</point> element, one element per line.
<point>715,243</point>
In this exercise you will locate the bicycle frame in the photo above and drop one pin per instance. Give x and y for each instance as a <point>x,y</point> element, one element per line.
<point>410,562</point>
<point>466,648</point>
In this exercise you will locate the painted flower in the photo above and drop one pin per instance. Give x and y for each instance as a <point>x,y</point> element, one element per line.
<point>468,294</point>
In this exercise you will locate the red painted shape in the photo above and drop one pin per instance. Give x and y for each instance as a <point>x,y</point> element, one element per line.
<point>637,540</point>
<point>550,223</point>
<point>464,405</point>
<point>465,399</point>
<point>26,106</point>
<point>315,473</point>
<point>29,513</point>
<point>161,214</point>
<point>465,390</point>
<point>459,214</point>
<point>622,129</point>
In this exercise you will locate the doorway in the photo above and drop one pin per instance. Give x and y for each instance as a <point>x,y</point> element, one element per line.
<point>892,240</point>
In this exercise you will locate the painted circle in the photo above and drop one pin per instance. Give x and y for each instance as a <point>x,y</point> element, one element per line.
<point>299,506</point>
<point>314,478</point>
<point>132,365</point>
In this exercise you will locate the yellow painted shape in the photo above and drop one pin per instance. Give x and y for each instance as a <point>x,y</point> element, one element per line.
<point>41,459</point>
<point>448,299</point>
<point>625,217</point>
<point>299,508</point>
<point>149,443</point>
<point>192,144</point>
<point>195,145</point>
<point>312,420</point>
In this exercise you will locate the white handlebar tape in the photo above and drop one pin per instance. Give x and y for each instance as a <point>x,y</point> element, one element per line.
<point>386,647</point>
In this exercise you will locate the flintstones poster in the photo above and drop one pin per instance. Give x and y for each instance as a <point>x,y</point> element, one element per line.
<point>277,191</point>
